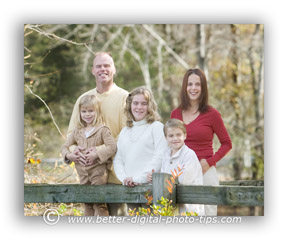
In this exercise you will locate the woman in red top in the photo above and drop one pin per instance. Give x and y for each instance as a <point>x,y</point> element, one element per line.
<point>202,121</point>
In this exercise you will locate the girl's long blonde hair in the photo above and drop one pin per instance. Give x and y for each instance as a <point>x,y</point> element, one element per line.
<point>89,101</point>
<point>152,115</point>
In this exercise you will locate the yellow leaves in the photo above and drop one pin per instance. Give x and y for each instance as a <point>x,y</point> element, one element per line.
<point>169,183</point>
<point>148,211</point>
<point>170,189</point>
<point>33,161</point>
<point>180,174</point>
<point>149,197</point>
<point>34,181</point>
<point>175,174</point>
<point>132,212</point>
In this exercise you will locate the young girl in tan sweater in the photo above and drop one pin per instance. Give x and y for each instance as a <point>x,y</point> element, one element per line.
<point>91,165</point>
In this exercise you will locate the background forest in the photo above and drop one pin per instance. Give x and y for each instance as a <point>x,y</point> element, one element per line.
<point>57,69</point>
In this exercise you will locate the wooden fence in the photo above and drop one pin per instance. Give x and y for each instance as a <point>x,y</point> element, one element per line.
<point>236,193</point>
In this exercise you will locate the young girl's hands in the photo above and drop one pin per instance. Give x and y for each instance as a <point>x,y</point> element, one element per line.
<point>77,156</point>
<point>91,156</point>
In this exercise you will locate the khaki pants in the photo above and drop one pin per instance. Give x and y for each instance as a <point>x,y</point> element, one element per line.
<point>116,209</point>
<point>210,178</point>
<point>93,175</point>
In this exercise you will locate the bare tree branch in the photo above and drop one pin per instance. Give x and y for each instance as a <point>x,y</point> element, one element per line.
<point>48,110</point>
<point>143,66</point>
<point>111,39</point>
<point>54,36</point>
<point>163,42</point>
<point>125,46</point>
<point>160,69</point>
<point>88,53</point>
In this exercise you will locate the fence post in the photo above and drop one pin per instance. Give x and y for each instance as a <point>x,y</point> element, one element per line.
<point>159,187</point>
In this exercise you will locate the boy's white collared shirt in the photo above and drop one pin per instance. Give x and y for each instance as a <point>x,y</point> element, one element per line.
<point>185,158</point>
<point>192,173</point>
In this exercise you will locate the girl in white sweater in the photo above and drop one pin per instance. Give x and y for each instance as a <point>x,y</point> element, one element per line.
<point>141,143</point>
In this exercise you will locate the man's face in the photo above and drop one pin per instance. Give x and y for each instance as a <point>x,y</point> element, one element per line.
<point>103,69</point>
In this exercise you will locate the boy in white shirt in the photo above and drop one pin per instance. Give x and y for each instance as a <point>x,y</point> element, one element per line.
<point>178,154</point>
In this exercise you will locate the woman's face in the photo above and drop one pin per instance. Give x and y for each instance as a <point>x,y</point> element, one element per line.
<point>139,107</point>
<point>194,87</point>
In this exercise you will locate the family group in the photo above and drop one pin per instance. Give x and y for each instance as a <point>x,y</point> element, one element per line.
<point>118,137</point>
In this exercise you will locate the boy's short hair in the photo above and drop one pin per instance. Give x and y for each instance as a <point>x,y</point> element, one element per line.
<point>174,123</point>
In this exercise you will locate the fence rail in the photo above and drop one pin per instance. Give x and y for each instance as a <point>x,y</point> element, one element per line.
<point>236,193</point>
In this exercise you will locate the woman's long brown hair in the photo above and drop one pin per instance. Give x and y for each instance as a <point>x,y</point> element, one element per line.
<point>184,99</point>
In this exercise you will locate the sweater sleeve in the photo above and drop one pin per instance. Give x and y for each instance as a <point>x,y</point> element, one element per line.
<point>65,148</point>
<point>192,173</point>
<point>223,136</point>
<point>118,161</point>
<point>109,148</point>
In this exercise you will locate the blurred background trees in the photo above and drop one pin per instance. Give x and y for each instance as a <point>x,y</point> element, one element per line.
<point>57,68</point>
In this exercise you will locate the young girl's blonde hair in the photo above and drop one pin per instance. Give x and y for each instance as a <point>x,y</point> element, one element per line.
<point>174,123</point>
<point>89,101</point>
<point>152,115</point>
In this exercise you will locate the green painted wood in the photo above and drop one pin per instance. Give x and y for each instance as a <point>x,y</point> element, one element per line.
<point>73,193</point>
<point>160,189</point>
<point>243,183</point>
<point>235,193</point>
<point>221,195</point>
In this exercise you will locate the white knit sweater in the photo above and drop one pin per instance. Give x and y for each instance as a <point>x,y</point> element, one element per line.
<point>139,150</point>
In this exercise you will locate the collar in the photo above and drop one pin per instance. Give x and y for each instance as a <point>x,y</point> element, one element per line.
<point>107,92</point>
<point>176,155</point>
<point>96,128</point>
<point>140,123</point>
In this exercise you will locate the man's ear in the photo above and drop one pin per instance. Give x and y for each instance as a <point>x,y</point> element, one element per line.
<point>185,135</point>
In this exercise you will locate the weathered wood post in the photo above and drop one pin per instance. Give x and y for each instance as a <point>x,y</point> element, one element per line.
<point>159,187</point>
